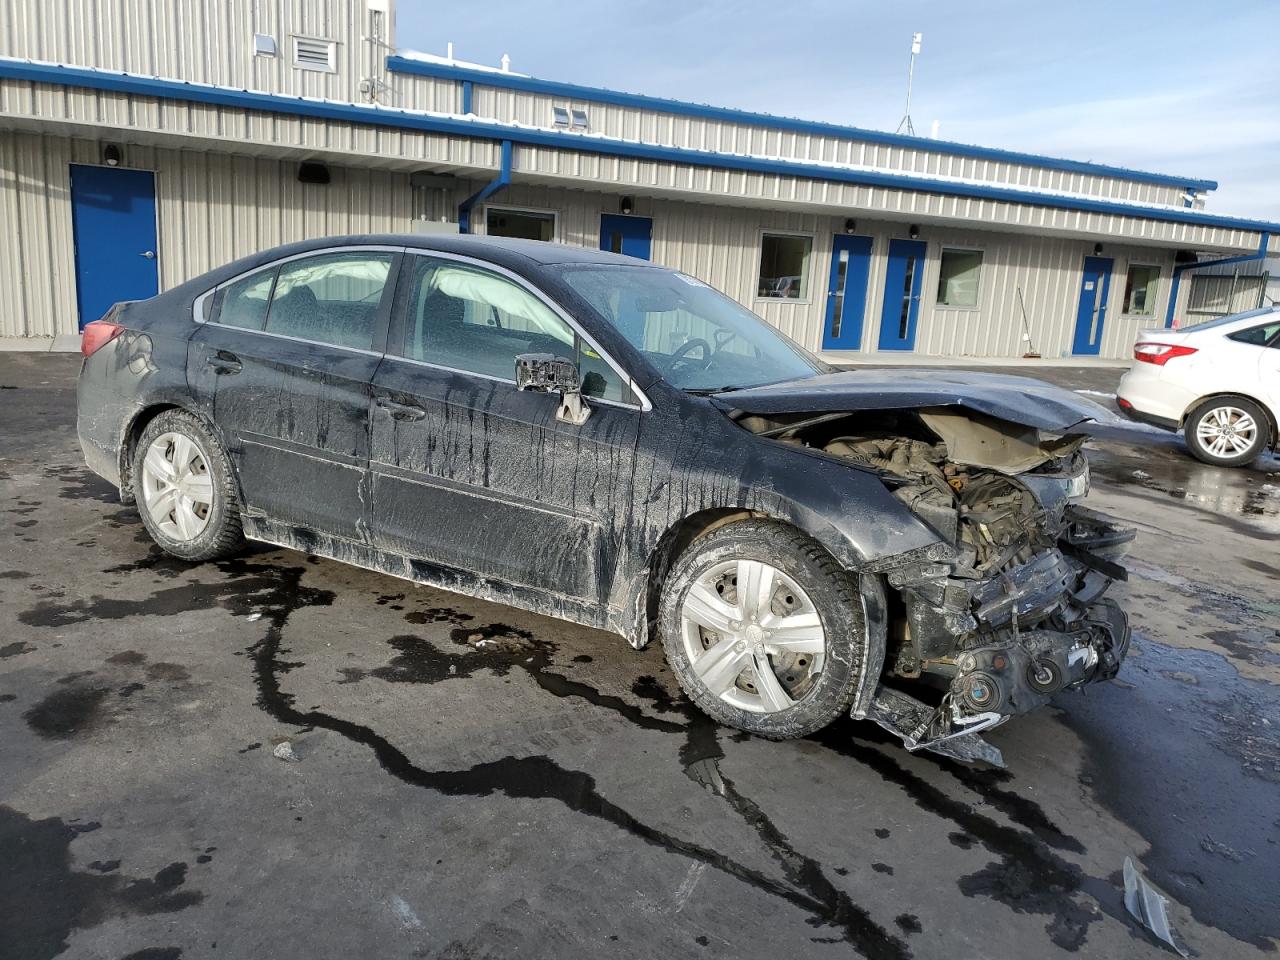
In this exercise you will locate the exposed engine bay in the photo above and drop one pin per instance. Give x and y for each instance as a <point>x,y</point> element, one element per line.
<point>1011,610</point>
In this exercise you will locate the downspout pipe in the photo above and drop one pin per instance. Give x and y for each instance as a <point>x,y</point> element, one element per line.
<point>488,190</point>
<point>1200,264</point>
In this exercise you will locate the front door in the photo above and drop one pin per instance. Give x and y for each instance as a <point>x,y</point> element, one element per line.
<point>287,359</point>
<point>1095,287</point>
<point>902,282</point>
<point>631,236</point>
<point>847,293</point>
<point>113,217</point>
<point>476,479</point>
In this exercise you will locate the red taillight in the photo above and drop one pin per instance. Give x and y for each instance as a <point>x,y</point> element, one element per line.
<point>1160,353</point>
<point>97,334</point>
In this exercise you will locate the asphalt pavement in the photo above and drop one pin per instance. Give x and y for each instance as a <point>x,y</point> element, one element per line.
<point>464,780</point>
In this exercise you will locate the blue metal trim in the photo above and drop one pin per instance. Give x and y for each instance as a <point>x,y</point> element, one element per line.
<point>468,96</point>
<point>489,130</point>
<point>488,190</point>
<point>573,91</point>
<point>1181,268</point>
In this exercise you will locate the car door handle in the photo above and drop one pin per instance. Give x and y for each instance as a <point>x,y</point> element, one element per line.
<point>400,411</point>
<point>224,362</point>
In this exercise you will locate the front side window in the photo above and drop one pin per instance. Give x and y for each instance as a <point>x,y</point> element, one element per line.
<point>1140,290</point>
<point>784,266</point>
<point>522,224</point>
<point>330,298</point>
<point>244,303</point>
<point>698,338</point>
<point>470,319</point>
<point>958,274</point>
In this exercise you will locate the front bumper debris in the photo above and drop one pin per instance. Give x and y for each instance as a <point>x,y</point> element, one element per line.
<point>1003,646</point>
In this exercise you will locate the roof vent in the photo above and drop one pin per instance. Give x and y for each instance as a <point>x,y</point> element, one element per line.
<point>312,54</point>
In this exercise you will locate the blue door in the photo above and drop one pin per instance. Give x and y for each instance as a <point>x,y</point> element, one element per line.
<point>1095,287</point>
<point>902,282</point>
<point>113,215</point>
<point>626,235</point>
<point>847,293</point>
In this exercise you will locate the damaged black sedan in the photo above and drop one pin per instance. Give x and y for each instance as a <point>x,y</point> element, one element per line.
<point>613,443</point>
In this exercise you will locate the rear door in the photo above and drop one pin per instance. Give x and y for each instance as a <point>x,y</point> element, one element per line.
<point>287,358</point>
<point>471,474</point>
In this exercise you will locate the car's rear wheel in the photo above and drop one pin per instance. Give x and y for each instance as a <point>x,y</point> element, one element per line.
<point>763,629</point>
<point>184,488</point>
<point>1227,432</point>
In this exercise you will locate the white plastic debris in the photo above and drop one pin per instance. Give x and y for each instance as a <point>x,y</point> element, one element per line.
<point>284,751</point>
<point>1147,904</point>
<point>1141,475</point>
<point>254,617</point>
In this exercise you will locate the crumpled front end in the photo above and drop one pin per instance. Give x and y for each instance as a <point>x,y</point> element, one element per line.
<point>1012,610</point>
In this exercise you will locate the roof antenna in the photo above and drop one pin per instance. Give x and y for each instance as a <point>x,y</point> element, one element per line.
<point>905,125</point>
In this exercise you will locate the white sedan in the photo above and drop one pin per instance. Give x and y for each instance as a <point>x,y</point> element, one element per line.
<point>1218,382</point>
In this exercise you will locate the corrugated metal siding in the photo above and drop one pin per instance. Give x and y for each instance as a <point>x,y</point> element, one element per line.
<point>210,209</point>
<point>37,268</point>
<point>98,109</point>
<point>696,133</point>
<point>769,189</point>
<point>202,41</point>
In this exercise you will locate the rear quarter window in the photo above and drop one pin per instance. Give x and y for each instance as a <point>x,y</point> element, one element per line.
<point>1259,336</point>
<point>244,303</point>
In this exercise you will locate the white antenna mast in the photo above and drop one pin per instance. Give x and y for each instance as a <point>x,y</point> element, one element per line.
<point>905,125</point>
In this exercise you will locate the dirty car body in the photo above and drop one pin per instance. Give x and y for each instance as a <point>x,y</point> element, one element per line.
<point>561,446</point>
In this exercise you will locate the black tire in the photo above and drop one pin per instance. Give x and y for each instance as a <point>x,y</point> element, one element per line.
<point>835,597</point>
<point>1261,438</point>
<point>222,536</point>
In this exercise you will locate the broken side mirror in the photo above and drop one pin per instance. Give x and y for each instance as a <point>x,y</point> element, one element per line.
<point>546,373</point>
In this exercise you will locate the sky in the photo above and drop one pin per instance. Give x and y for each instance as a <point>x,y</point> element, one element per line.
<point>1191,89</point>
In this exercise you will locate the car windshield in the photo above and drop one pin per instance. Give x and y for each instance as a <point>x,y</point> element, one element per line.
<point>698,338</point>
<point>1223,321</point>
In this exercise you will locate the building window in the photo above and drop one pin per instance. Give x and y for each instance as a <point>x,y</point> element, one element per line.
<point>524,224</point>
<point>312,54</point>
<point>958,275</point>
<point>1140,290</point>
<point>784,266</point>
<point>560,116</point>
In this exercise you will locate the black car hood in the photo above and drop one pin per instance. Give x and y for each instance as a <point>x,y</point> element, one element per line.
<point>1021,400</point>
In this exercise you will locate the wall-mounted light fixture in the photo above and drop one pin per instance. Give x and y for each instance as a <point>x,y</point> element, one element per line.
<point>1097,249</point>
<point>850,225</point>
<point>914,231</point>
<point>626,205</point>
<point>312,172</point>
<point>111,155</point>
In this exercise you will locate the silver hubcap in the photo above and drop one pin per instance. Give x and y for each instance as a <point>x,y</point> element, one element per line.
<point>752,636</point>
<point>1226,431</point>
<point>177,491</point>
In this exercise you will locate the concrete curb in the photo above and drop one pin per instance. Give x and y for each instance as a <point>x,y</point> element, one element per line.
<point>64,343</point>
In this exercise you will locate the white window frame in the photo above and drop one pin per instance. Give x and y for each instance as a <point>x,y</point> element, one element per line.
<point>311,67</point>
<point>538,211</point>
<point>813,250</point>
<point>959,248</point>
<point>1155,300</point>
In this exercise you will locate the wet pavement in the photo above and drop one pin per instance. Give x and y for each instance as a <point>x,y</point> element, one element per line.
<point>473,781</point>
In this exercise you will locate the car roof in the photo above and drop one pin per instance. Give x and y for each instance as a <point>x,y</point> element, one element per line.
<point>1231,322</point>
<point>498,249</point>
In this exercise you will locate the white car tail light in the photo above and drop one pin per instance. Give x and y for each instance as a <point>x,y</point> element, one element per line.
<point>1160,353</point>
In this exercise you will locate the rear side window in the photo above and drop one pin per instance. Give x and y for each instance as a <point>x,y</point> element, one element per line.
<point>244,303</point>
<point>1258,336</point>
<point>473,320</point>
<point>330,298</point>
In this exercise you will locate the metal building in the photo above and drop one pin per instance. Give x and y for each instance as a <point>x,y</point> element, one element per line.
<point>143,143</point>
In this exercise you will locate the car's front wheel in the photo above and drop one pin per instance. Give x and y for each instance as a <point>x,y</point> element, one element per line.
<point>1227,432</point>
<point>184,488</point>
<point>763,629</point>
